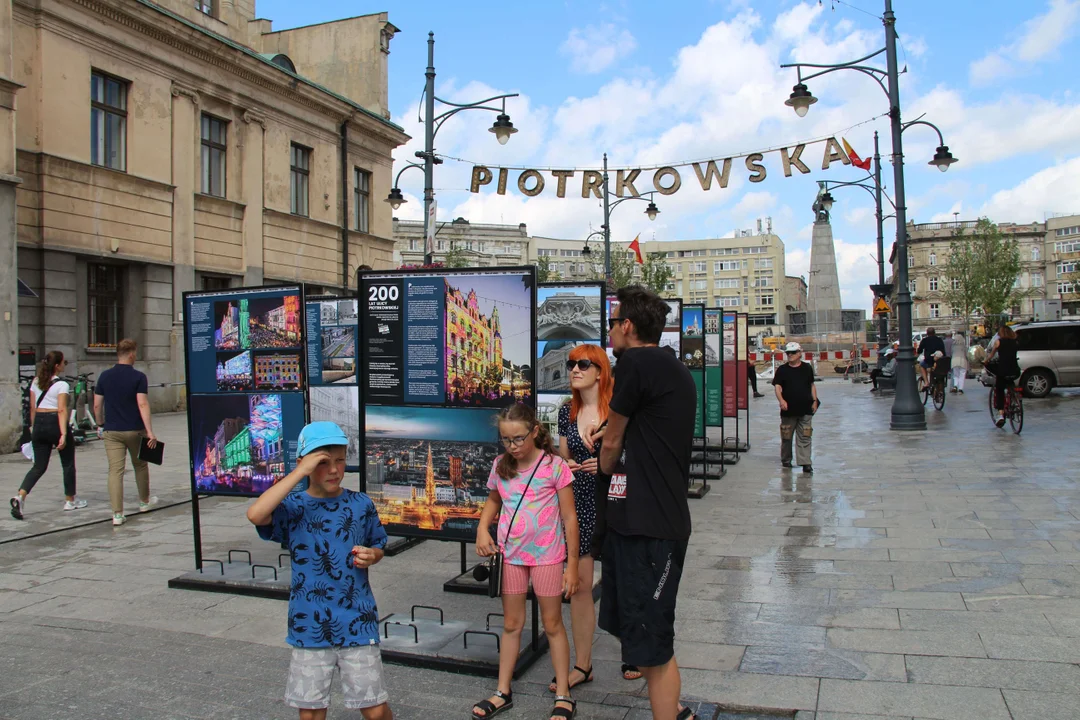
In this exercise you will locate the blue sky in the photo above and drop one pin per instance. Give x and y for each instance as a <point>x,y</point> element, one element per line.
<point>696,79</point>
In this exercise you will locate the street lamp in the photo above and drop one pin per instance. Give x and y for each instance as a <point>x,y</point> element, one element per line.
<point>502,129</point>
<point>651,211</point>
<point>907,411</point>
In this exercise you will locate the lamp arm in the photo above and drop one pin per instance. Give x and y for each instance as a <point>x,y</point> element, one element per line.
<point>867,188</point>
<point>397,178</point>
<point>644,197</point>
<point>439,119</point>
<point>876,74</point>
<point>920,121</point>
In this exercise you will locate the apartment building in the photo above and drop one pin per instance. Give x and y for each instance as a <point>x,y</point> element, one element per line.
<point>1049,255</point>
<point>170,145</point>
<point>568,258</point>
<point>479,244</point>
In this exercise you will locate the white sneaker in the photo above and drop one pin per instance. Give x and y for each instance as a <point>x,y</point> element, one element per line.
<point>118,519</point>
<point>145,506</point>
<point>76,504</point>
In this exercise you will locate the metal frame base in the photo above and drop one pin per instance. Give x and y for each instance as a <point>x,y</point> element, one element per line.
<point>697,492</point>
<point>400,545</point>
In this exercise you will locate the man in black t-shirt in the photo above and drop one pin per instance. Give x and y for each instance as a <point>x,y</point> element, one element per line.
<point>648,520</point>
<point>797,393</point>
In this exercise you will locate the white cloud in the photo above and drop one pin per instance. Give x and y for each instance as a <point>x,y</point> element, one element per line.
<point>1038,40</point>
<point>596,47</point>
<point>1055,189</point>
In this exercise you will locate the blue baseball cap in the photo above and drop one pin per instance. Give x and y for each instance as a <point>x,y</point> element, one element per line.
<point>318,435</point>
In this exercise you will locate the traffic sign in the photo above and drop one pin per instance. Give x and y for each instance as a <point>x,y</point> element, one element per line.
<point>881,307</point>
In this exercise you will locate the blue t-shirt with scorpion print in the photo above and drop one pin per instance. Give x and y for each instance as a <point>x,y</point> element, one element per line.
<point>330,602</point>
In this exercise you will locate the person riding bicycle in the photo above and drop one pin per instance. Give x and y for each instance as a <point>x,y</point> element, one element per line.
<point>1003,348</point>
<point>929,345</point>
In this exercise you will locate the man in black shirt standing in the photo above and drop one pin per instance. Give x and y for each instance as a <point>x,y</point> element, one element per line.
<point>648,519</point>
<point>797,393</point>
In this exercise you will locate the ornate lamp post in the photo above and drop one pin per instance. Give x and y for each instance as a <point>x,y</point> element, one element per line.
<point>502,129</point>
<point>651,211</point>
<point>907,411</point>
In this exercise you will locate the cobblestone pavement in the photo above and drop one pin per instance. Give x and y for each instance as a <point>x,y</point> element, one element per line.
<point>921,575</point>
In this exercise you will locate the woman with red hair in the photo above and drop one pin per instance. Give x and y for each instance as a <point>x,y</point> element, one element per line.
<point>591,385</point>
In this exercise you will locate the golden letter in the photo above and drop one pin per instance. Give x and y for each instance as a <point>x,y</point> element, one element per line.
<point>753,164</point>
<point>503,174</point>
<point>706,178</point>
<point>591,183</point>
<point>480,176</point>
<point>793,159</point>
<point>833,153</point>
<point>676,180</point>
<point>624,180</point>
<point>562,175</point>
<point>526,175</point>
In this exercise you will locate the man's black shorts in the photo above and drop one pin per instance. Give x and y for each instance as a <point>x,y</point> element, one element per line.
<point>637,603</point>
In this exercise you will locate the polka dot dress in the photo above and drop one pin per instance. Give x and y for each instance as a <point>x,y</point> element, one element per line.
<point>584,483</point>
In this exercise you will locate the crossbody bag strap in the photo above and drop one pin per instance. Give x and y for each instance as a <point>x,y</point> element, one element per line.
<point>43,393</point>
<point>522,498</point>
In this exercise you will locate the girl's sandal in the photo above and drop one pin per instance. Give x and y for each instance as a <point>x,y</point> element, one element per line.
<point>686,714</point>
<point>490,709</point>
<point>630,672</point>
<point>564,713</point>
<point>586,674</point>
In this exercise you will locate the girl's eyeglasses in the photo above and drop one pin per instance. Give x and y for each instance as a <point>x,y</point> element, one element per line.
<point>583,364</point>
<point>514,441</point>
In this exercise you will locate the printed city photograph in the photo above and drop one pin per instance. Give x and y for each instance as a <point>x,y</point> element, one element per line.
<point>338,354</point>
<point>547,411</point>
<point>427,468</point>
<point>488,340</point>
<point>248,323</point>
<point>278,370</point>
<point>238,442</point>
<point>340,405</point>
<point>692,322</point>
<point>234,371</point>
<point>551,359</point>
<point>568,313</point>
<point>673,322</point>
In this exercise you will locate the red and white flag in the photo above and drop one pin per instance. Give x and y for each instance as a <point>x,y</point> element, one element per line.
<point>636,247</point>
<point>854,156</point>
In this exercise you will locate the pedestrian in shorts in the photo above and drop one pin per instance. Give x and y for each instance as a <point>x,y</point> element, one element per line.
<point>334,535</point>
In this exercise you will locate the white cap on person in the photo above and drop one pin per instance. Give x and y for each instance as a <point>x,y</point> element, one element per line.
<point>792,347</point>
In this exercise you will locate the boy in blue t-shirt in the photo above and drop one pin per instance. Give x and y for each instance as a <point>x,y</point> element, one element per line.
<point>334,535</point>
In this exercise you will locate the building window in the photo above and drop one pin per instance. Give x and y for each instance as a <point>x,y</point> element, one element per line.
<point>725,265</point>
<point>760,250</point>
<point>1062,232</point>
<point>698,267</point>
<point>440,245</point>
<point>763,264</point>
<point>933,258</point>
<point>1035,254</point>
<point>299,169</point>
<point>206,7</point>
<point>1066,268</point>
<point>935,310</point>
<point>956,283</point>
<point>764,299</point>
<point>699,285</point>
<point>216,282</point>
<point>1065,288</point>
<point>728,301</point>
<point>213,156</point>
<point>726,283</point>
<point>362,199</point>
<point>105,296</point>
<point>414,244</point>
<point>108,121</point>
<point>911,260</point>
<point>911,286</point>
<point>933,283</point>
<point>1069,246</point>
<point>1036,280</point>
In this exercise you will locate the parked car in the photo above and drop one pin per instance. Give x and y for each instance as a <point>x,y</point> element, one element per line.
<point>1049,356</point>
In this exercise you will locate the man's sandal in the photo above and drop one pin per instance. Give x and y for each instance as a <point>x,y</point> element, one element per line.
<point>490,709</point>
<point>630,672</point>
<point>587,674</point>
<point>561,712</point>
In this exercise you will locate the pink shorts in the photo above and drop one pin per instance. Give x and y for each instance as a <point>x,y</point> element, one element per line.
<point>547,580</point>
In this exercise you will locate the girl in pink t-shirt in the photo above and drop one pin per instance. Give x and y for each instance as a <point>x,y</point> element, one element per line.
<point>531,490</point>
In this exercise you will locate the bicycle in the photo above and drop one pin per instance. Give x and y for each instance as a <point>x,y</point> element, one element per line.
<point>939,378</point>
<point>1014,406</point>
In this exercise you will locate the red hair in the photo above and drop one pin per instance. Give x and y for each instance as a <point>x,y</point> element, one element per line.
<point>599,358</point>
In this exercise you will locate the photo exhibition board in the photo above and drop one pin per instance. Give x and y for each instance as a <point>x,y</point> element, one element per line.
<point>567,315</point>
<point>246,373</point>
<point>693,356</point>
<point>671,336</point>
<point>727,329</point>
<point>443,352</point>
<point>714,369</point>
<point>333,348</point>
<point>742,358</point>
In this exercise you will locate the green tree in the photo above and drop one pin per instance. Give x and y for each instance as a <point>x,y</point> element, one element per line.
<point>622,266</point>
<point>545,270</point>
<point>456,257</point>
<point>962,290</point>
<point>656,273</point>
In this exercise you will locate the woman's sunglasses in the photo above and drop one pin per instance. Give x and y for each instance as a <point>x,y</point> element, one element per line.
<point>579,364</point>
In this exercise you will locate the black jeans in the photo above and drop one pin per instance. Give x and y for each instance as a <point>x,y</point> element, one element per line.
<point>751,374</point>
<point>1001,384</point>
<point>45,436</point>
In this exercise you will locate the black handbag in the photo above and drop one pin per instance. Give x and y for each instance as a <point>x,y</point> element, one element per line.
<point>491,570</point>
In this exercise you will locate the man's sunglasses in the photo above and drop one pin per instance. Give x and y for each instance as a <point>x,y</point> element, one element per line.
<point>583,364</point>
<point>612,322</point>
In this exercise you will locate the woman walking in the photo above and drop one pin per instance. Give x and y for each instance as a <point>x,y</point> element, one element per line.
<point>591,386</point>
<point>959,361</point>
<point>49,402</point>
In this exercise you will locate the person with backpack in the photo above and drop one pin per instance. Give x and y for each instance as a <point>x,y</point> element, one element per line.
<point>50,398</point>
